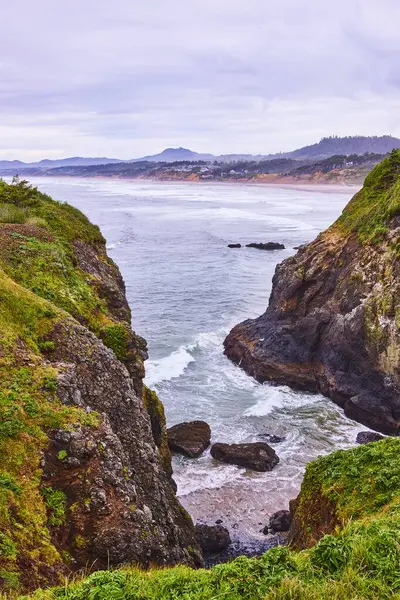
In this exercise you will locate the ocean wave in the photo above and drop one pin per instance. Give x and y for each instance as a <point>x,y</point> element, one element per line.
<point>169,367</point>
<point>175,364</point>
<point>275,397</point>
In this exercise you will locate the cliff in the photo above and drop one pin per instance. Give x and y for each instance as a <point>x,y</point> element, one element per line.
<point>85,471</point>
<point>332,324</point>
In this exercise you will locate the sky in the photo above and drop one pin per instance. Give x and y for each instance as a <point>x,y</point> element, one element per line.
<point>130,77</point>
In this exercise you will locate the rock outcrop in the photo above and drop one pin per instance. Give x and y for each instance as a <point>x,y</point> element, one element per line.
<point>279,521</point>
<point>332,324</point>
<point>257,456</point>
<point>85,471</point>
<point>366,437</point>
<point>266,246</point>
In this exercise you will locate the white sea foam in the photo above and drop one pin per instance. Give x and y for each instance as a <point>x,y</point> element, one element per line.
<point>169,367</point>
<point>273,397</point>
<point>197,475</point>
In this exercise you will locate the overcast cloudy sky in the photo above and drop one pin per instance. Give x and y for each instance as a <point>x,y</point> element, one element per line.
<point>126,78</point>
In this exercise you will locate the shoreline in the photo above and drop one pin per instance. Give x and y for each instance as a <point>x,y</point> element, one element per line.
<point>301,185</point>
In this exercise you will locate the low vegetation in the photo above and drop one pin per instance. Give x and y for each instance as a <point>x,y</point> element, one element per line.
<point>370,211</point>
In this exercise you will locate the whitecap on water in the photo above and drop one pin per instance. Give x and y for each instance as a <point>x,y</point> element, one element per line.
<point>169,367</point>
<point>276,396</point>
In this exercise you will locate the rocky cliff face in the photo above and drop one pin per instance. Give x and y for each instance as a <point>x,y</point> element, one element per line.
<point>332,324</point>
<point>85,470</point>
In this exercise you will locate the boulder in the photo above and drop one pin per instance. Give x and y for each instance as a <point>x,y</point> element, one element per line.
<point>279,521</point>
<point>212,538</point>
<point>365,437</point>
<point>189,439</point>
<point>266,246</point>
<point>234,245</point>
<point>257,456</point>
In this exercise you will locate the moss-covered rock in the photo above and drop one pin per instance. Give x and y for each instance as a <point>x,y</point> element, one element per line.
<point>76,446</point>
<point>155,409</point>
<point>344,486</point>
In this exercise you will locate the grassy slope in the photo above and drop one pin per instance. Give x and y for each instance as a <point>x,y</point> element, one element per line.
<point>40,284</point>
<point>370,210</point>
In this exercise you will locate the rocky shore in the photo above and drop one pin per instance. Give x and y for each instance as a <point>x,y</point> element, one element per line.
<point>332,324</point>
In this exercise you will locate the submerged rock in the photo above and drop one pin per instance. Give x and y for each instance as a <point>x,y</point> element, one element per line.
<point>190,439</point>
<point>257,456</point>
<point>273,439</point>
<point>234,245</point>
<point>365,437</point>
<point>212,538</point>
<point>332,321</point>
<point>266,246</point>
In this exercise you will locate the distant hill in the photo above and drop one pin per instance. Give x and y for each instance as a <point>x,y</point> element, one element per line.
<point>75,161</point>
<point>331,146</point>
<point>175,154</point>
<point>325,148</point>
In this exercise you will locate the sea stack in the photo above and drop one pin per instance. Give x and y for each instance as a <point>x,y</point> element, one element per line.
<point>332,324</point>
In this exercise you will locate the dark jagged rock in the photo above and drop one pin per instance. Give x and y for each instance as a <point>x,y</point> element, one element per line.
<point>266,246</point>
<point>246,548</point>
<point>365,437</point>
<point>212,538</point>
<point>234,245</point>
<point>333,316</point>
<point>280,521</point>
<point>190,439</point>
<point>257,456</point>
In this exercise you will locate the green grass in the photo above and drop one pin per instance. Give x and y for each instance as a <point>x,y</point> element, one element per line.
<point>372,208</point>
<point>359,481</point>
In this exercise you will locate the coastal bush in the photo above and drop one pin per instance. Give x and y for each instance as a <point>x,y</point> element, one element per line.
<point>12,214</point>
<point>115,338</point>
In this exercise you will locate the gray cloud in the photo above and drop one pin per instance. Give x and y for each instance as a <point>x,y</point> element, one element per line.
<point>128,78</point>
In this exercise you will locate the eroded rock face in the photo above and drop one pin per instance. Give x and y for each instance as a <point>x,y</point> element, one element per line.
<point>190,439</point>
<point>257,456</point>
<point>332,324</point>
<point>121,503</point>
